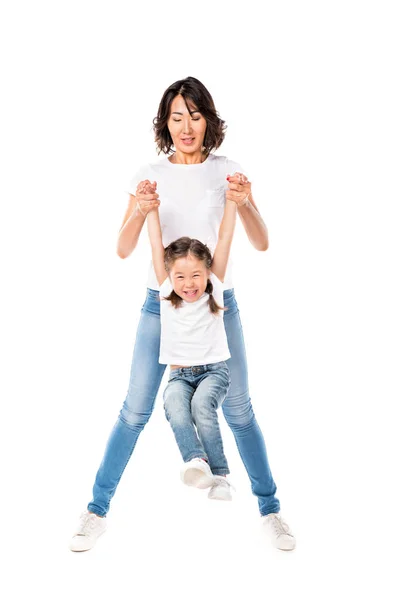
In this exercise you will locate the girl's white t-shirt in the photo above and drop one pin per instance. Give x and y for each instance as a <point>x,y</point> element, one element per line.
<point>192,201</point>
<point>192,335</point>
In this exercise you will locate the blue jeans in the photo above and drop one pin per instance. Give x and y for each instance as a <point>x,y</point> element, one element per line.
<point>191,399</point>
<point>145,379</point>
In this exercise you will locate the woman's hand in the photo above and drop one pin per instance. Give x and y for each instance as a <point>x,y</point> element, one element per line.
<point>239,189</point>
<point>146,197</point>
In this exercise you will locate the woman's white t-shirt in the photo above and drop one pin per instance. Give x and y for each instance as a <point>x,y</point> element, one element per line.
<point>192,201</point>
<point>191,334</point>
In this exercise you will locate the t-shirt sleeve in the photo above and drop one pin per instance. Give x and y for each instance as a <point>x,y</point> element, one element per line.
<point>165,288</point>
<point>140,175</point>
<point>233,167</point>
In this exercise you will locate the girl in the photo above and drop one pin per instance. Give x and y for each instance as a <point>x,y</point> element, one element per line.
<point>193,342</point>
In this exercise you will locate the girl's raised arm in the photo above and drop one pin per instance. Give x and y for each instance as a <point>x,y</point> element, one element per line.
<point>225,237</point>
<point>157,248</point>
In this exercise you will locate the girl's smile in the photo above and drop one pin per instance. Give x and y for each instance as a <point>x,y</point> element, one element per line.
<point>189,277</point>
<point>190,293</point>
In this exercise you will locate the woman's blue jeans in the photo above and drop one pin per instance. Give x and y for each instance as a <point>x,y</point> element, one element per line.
<point>145,380</point>
<point>191,399</point>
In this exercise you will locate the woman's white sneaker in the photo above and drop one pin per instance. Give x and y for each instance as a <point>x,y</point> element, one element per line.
<point>278,530</point>
<point>220,489</point>
<point>88,531</point>
<point>197,473</point>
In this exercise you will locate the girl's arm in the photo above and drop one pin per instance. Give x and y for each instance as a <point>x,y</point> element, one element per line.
<point>157,248</point>
<point>225,236</point>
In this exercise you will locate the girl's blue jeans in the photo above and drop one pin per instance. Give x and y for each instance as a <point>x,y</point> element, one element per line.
<point>191,399</point>
<point>145,380</point>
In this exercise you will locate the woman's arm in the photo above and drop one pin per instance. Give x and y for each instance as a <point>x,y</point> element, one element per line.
<point>130,229</point>
<point>225,236</point>
<point>157,248</point>
<point>139,206</point>
<point>239,190</point>
<point>254,225</point>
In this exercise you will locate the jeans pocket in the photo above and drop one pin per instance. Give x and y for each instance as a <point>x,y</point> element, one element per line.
<point>223,372</point>
<point>174,377</point>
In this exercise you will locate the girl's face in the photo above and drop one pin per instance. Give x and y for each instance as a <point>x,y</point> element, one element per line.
<point>187,129</point>
<point>189,276</point>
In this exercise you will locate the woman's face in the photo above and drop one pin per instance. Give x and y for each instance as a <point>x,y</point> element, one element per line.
<point>189,277</point>
<point>187,129</point>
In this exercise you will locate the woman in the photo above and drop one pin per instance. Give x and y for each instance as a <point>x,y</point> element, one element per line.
<point>191,182</point>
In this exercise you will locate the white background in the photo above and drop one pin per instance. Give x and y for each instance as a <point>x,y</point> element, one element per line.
<point>310,94</point>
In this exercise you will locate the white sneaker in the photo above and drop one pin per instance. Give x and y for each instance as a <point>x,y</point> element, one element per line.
<point>88,531</point>
<point>197,473</point>
<point>279,532</point>
<point>220,489</point>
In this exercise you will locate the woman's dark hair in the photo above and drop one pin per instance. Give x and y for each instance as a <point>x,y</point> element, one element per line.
<point>180,249</point>
<point>191,89</point>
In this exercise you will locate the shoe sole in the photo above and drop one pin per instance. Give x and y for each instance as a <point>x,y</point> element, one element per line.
<point>86,549</point>
<point>286,549</point>
<point>226,499</point>
<point>197,478</point>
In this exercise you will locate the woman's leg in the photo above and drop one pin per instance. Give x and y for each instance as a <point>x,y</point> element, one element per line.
<point>145,378</point>
<point>208,397</point>
<point>240,417</point>
<point>177,399</point>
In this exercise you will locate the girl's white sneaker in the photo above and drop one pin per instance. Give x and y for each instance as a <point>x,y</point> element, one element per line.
<point>278,530</point>
<point>220,489</point>
<point>88,531</point>
<point>197,473</point>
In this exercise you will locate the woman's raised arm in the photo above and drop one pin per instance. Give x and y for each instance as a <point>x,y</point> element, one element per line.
<point>239,191</point>
<point>139,206</point>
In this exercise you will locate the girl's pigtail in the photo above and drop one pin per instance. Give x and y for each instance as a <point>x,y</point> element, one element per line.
<point>175,300</point>
<point>213,306</point>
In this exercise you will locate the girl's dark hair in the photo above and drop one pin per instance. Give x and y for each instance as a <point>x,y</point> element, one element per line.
<point>180,249</point>
<point>191,89</point>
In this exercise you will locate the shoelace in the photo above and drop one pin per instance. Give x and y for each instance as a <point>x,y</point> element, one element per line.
<point>279,525</point>
<point>223,481</point>
<point>86,524</point>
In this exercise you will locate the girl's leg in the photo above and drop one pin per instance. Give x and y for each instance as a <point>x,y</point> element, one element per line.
<point>177,399</point>
<point>240,417</point>
<point>145,378</point>
<point>209,395</point>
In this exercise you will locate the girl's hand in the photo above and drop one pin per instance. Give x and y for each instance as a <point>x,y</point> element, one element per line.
<point>239,189</point>
<point>146,197</point>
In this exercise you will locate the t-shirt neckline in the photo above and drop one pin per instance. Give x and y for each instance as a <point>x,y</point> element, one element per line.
<point>195,165</point>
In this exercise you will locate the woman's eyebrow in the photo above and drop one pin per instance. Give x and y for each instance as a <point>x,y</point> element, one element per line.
<point>190,112</point>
